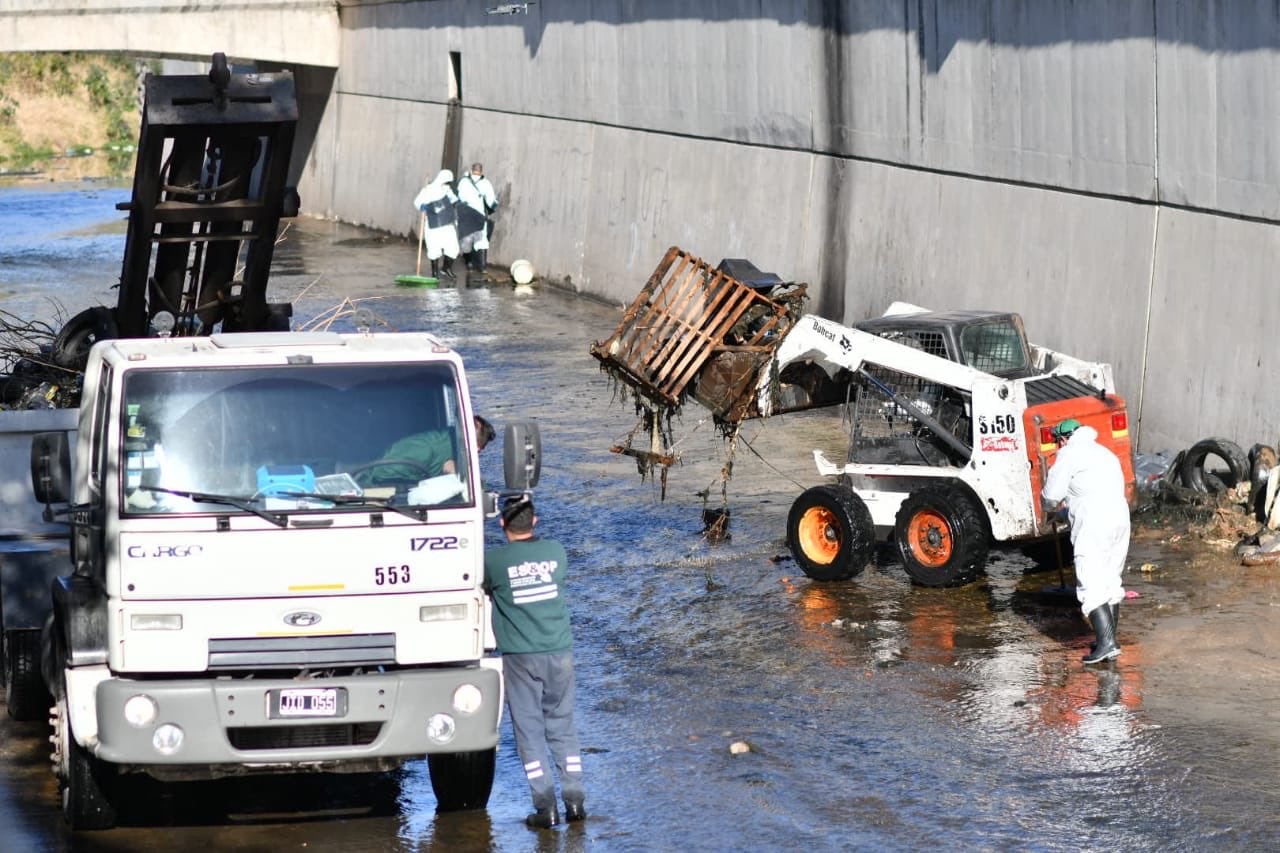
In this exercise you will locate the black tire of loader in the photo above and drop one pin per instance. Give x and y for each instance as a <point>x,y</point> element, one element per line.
<point>26,696</point>
<point>1191,472</point>
<point>462,781</point>
<point>965,526</point>
<point>847,527</point>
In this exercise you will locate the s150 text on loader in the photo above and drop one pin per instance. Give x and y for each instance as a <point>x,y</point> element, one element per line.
<point>950,413</point>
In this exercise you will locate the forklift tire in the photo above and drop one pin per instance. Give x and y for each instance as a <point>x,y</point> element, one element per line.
<point>462,781</point>
<point>26,697</point>
<point>830,533</point>
<point>942,536</point>
<point>1192,473</point>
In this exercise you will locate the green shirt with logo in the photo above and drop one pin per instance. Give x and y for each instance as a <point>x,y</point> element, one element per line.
<point>525,579</point>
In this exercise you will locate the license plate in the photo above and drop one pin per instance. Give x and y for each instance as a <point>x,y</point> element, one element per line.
<point>307,702</point>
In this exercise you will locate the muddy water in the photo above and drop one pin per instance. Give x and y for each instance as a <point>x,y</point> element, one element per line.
<point>877,715</point>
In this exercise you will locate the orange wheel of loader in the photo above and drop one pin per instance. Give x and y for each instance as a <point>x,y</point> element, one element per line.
<point>929,538</point>
<point>942,535</point>
<point>830,533</point>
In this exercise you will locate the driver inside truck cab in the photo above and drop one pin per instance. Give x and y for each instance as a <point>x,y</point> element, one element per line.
<point>425,454</point>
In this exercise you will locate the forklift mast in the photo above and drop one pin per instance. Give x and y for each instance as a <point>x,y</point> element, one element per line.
<point>208,195</point>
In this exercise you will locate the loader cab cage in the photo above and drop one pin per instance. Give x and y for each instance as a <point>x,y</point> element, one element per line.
<point>208,195</point>
<point>992,342</point>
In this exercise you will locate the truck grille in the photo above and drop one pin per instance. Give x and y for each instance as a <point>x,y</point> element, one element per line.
<point>1050,389</point>
<point>303,737</point>
<point>302,652</point>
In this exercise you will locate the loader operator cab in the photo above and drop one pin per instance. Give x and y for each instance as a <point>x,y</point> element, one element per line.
<point>887,432</point>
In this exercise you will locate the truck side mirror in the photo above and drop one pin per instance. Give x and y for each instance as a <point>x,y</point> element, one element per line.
<point>51,467</point>
<point>522,456</point>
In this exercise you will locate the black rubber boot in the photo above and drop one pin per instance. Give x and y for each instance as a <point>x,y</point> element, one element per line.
<point>435,268</point>
<point>574,811</point>
<point>1104,630</point>
<point>543,818</point>
<point>447,270</point>
<point>482,260</point>
<point>1115,624</point>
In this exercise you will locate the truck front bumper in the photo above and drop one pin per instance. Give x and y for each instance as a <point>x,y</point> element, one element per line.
<point>398,714</point>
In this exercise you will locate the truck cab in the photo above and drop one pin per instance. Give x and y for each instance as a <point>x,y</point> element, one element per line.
<point>277,564</point>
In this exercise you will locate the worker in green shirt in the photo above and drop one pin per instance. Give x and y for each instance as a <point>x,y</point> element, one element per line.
<point>525,579</point>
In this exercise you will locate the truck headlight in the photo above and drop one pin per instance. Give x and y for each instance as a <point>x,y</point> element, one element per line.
<point>442,612</point>
<point>167,739</point>
<point>467,699</point>
<point>440,728</point>
<point>155,621</point>
<point>140,711</point>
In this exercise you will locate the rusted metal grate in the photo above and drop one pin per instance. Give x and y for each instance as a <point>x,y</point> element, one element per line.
<point>686,313</point>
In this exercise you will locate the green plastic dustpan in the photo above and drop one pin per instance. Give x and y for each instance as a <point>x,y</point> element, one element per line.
<point>417,280</point>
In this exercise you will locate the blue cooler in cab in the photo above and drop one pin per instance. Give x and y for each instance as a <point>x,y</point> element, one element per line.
<point>281,481</point>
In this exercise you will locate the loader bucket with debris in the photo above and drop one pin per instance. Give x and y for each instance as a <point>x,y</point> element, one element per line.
<point>697,331</point>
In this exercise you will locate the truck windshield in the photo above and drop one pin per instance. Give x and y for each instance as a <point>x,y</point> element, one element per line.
<point>995,348</point>
<point>283,438</point>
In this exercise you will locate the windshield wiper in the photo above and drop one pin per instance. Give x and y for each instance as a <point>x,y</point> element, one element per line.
<point>417,513</point>
<point>230,500</point>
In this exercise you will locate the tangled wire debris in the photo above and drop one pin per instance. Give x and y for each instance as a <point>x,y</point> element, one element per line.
<point>35,376</point>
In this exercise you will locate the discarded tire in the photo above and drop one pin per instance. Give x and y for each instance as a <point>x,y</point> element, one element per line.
<point>71,346</point>
<point>1192,473</point>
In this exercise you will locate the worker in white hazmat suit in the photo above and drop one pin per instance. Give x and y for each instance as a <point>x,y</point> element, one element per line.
<point>477,193</point>
<point>1088,477</point>
<point>436,200</point>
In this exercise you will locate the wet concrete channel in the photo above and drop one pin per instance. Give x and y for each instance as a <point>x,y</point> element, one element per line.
<point>878,715</point>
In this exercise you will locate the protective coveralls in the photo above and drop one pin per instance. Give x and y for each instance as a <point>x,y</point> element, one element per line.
<point>436,200</point>
<point>477,193</point>
<point>1088,476</point>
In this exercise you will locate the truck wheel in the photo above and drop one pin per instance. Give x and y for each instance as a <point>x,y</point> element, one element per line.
<point>25,693</point>
<point>942,536</point>
<point>830,533</point>
<point>85,783</point>
<point>1192,473</point>
<point>462,780</point>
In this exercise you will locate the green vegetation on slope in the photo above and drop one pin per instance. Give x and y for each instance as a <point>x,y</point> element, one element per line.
<point>55,105</point>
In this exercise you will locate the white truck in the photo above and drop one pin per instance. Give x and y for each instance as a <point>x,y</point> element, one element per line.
<point>256,586</point>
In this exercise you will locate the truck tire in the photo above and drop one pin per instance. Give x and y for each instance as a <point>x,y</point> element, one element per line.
<point>1191,472</point>
<point>942,536</point>
<point>830,533</point>
<point>462,780</point>
<point>25,694</point>
<point>85,783</point>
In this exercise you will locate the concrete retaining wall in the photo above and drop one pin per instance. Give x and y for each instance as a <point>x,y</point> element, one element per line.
<point>1107,168</point>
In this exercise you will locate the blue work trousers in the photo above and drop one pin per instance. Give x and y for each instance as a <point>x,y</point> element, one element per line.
<point>540,700</point>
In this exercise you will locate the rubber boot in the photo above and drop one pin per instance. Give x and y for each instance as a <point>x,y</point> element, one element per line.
<point>447,270</point>
<point>482,260</point>
<point>1104,648</point>
<point>543,818</point>
<point>574,811</point>
<point>1115,624</point>
<point>435,268</point>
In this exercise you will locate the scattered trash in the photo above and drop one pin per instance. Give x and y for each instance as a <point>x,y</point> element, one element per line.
<point>1147,568</point>
<point>1131,594</point>
<point>738,747</point>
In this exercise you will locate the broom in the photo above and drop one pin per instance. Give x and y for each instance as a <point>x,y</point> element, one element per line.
<point>418,279</point>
